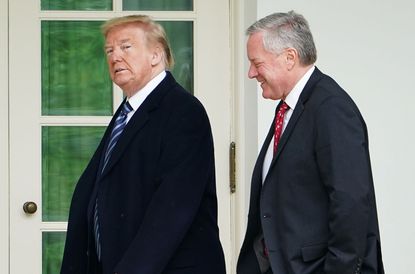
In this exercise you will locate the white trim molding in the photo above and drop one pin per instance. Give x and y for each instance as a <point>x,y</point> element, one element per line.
<point>244,131</point>
<point>4,138</point>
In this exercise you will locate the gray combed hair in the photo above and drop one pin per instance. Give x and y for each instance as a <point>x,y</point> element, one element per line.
<point>286,30</point>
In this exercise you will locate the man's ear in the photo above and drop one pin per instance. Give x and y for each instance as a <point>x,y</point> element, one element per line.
<point>157,56</point>
<point>291,58</point>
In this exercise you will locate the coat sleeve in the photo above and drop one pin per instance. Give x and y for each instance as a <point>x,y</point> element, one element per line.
<point>342,157</point>
<point>75,258</point>
<point>186,168</point>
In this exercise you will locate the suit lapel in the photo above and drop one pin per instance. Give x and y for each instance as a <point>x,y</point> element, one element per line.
<point>138,121</point>
<point>257,174</point>
<point>256,183</point>
<point>299,108</point>
<point>288,130</point>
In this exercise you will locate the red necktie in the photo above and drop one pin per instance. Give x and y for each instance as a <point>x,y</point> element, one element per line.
<point>279,120</point>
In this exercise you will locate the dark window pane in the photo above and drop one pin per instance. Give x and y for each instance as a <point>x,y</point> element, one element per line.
<point>65,154</point>
<point>180,35</point>
<point>76,4</point>
<point>168,5</point>
<point>75,79</point>
<point>52,251</point>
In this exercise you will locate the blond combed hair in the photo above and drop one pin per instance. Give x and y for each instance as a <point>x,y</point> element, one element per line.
<point>155,33</point>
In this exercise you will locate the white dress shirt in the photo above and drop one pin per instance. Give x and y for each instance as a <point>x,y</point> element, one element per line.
<point>291,101</point>
<point>138,98</point>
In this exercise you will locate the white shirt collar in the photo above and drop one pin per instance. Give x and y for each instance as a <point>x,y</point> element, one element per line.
<point>294,95</point>
<point>138,98</point>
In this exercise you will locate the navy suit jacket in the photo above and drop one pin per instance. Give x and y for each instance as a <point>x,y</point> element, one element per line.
<point>157,196</point>
<point>316,207</point>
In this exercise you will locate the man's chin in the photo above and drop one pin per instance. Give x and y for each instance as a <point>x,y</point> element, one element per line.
<point>122,83</point>
<point>266,94</point>
<point>269,94</point>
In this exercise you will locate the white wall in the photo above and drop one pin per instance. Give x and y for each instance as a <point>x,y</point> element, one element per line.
<point>368,47</point>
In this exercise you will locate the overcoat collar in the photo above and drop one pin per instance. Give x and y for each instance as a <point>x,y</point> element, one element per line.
<point>137,121</point>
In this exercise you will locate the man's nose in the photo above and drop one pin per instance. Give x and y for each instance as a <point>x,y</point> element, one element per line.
<point>252,73</point>
<point>115,55</point>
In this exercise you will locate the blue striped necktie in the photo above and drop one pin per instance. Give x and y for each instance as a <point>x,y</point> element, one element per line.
<point>119,125</point>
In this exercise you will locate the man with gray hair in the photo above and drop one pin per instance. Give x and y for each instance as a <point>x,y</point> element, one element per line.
<point>312,206</point>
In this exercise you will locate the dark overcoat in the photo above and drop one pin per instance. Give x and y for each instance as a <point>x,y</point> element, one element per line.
<point>156,197</point>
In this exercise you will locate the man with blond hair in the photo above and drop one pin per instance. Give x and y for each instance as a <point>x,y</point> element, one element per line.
<point>146,203</point>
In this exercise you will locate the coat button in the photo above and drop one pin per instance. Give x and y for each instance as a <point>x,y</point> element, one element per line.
<point>265,216</point>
